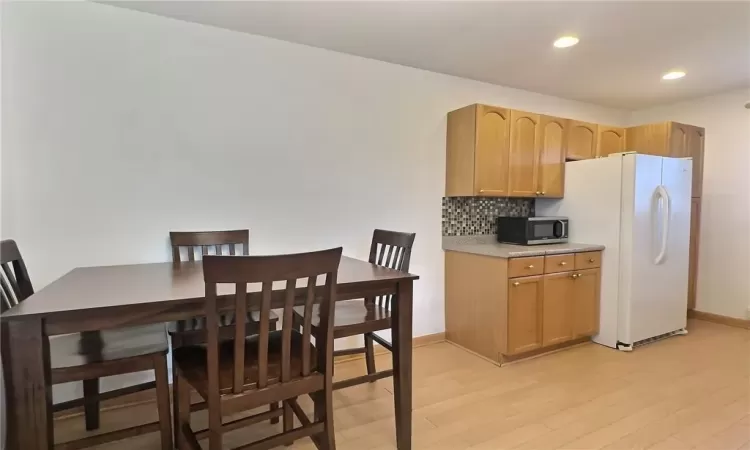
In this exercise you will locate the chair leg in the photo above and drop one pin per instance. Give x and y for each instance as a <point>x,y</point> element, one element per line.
<point>369,354</point>
<point>273,406</point>
<point>288,419</point>
<point>324,412</point>
<point>91,403</point>
<point>182,409</point>
<point>176,406</point>
<point>162,401</point>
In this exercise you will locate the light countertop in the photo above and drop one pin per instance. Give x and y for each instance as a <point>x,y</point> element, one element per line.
<point>486,244</point>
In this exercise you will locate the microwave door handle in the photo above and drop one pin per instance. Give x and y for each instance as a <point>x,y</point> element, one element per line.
<point>562,227</point>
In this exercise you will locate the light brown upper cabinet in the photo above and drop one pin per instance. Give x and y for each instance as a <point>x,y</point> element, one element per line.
<point>695,148</point>
<point>611,140</point>
<point>477,151</point>
<point>552,156</point>
<point>499,152</point>
<point>523,157</point>
<point>582,137</point>
<point>650,139</point>
<point>673,139</point>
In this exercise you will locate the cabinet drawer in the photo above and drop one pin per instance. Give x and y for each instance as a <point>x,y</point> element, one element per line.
<point>559,263</point>
<point>588,260</point>
<point>524,267</point>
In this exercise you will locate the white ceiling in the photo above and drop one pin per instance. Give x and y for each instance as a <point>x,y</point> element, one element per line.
<point>625,46</point>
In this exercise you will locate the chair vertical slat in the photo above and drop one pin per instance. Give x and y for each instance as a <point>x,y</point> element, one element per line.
<point>265,311</point>
<point>12,280</point>
<point>8,292</point>
<point>176,254</point>
<point>5,302</point>
<point>190,253</point>
<point>286,331</point>
<point>400,258</point>
<point>381,254</point>
<point>389,258</point>
<point>231,249</point>
<point>307,325</point>
<point>240,317</point>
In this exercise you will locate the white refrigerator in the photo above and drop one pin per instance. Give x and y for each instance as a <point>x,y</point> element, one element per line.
<point>638,207</point>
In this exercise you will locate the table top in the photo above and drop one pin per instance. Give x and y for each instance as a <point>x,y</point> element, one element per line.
<point>87,288</point>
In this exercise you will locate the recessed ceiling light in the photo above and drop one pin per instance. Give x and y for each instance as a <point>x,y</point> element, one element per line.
<point>566,41</point>
<point>673,75</point>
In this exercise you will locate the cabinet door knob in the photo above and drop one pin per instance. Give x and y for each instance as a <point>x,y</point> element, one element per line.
<point>576,275</point>
<point>530,266</point>
<point>516,283</point>
<point>563,263</point>
<point>538,193</point>
<point>544,193</point>
<point>591,260</point>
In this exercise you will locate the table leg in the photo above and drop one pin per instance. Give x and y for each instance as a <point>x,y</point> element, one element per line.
<point>28,387</point>
<point>401,326</point>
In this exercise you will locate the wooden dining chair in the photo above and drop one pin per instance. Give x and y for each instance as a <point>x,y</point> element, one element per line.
<point>89,356</point>
<point>192,331</point>
<point>389,249</point>
<point>272,366</point>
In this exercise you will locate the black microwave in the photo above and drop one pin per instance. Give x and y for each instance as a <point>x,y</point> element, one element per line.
<point>532,230</point>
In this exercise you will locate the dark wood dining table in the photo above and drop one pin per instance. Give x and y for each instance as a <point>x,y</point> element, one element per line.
<point>98,298</point>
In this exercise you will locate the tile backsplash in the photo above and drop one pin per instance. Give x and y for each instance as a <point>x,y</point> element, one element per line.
<point>464,216</point>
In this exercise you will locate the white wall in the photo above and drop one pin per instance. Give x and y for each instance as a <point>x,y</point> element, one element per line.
<point>724,258</point>
<point>120,126</point>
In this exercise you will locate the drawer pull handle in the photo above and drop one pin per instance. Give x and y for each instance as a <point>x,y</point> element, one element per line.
<point>563,263</point>
<point>591,260</point>
<point>516,283</point>
<point>530,266</point>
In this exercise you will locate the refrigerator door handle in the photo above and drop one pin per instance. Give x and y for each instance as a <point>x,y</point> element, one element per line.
<point>664,195</point>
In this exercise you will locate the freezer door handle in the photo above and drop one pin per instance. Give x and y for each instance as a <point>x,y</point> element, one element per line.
<point>663,194</point>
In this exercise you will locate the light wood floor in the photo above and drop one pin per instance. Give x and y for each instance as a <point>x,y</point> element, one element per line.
<point>684,392</point>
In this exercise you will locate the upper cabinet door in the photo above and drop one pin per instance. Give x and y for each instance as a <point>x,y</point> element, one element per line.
<point>649,139</point>
<point>524,156</point>
<point>611,140</point>
<point>491,158</point>
<point>695,148</point>
<point>552,156</point>
<point>678,140</point>
<point>582,138</point>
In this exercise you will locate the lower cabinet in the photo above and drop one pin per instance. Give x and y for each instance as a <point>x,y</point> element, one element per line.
<point>557,317</point>
<point>505,309</point>
<point>585,302</point>
<point>553,308</point>
<point>524,310</point>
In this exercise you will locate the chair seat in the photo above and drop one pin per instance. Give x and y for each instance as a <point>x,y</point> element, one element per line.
<point>199,323</point>
<point>79,349</point>
<point>192,362</point>
<point>351,317</point>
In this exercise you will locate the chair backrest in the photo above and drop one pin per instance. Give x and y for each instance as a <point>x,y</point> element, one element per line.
<point>391,249</point>
<point>207,239</point>
<point>266,270</point>
<point>15,284</point>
